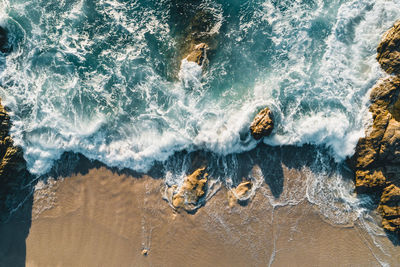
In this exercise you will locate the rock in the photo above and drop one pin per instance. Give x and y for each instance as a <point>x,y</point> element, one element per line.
<point>369,179</point>
<point>389,208</point>
<point>197,35</point>
<point>377,156</point>
<point>191,191</point>
<point>390,143</point>
<point>14,178</point>
<point>389,50</point>
<point>3,40</point>
<point>203,27</point>
<point>198,54</point>
<point>239,193</point>
<point>242,189</point>
<point>262,125</point>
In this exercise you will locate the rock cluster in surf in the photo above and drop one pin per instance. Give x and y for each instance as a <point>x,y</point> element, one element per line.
<point>377,157</point>
<point>262,125</point>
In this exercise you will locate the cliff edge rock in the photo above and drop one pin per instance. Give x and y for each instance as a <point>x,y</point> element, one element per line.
<point>377,156</point>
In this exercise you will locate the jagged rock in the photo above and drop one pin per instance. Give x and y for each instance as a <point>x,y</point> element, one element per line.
<point>239,193</point>
<point>389,208</point>
<point>377,156</point>
<point>13,173</point>
<point>263,124</point>
<point>198,54</point>
<point>369,179</point>
<point>242,189</point>
<point>389,50</point>
<point>390,143</point>
<point>192,189</point>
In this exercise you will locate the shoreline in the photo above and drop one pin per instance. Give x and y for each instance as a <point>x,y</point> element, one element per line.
<point>106,218</point>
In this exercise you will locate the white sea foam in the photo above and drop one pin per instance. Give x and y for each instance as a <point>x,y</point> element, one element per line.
<point>110,102</point>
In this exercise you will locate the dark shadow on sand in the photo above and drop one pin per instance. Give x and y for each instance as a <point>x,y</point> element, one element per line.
<point>15,229</point>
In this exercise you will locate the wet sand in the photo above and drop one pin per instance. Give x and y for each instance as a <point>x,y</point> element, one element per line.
<point>106,219</point>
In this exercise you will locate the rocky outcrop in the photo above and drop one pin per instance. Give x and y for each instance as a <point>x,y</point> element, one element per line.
<point>263,124</point>
<point>13,173</point>
<point>192,190</point>
<point>377,157</point>
<point>389,50</point>
<point>198,54</point>
<point>389,208</point>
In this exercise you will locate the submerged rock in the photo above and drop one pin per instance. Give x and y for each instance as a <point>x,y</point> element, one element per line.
<point>198,54</point>
<point>191,191</point>
<point>198,37</point>
<point>262,125</point>
<point>389,50</point>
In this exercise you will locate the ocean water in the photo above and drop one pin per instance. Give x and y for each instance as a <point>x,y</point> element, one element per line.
<point>105,78</point>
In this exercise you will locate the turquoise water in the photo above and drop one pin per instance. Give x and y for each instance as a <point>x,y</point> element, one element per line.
<point>97,77</point>
<point>104,78</point>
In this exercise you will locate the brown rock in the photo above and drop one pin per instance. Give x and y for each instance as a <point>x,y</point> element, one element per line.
<point>193,188</point>
<point>377,153</point>
<point>14,177</point>
<point>380,143</point>
<point>198,54</point>
<point>145,252</point>
<point>389,50</point>
<point>384,91</point>
<point>391,196</point>
<point>377,156</point>
<point>239,193</point>
<point>242,189</point>
<point>389,208</point>
<point>262,125</point>
<point>390,143</point>
<point>369,179</point>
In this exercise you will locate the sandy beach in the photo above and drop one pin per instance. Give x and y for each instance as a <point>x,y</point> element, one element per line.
<point>106,219</point>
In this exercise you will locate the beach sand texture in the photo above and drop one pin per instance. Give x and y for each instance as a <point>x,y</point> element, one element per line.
<point>106,219</point>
